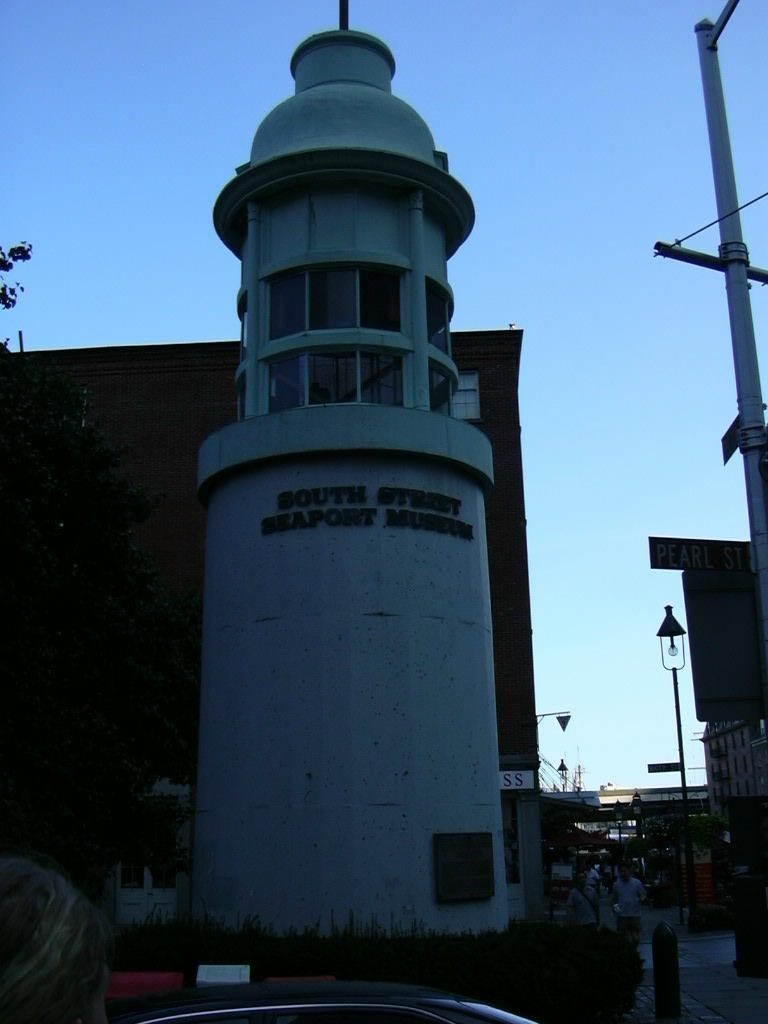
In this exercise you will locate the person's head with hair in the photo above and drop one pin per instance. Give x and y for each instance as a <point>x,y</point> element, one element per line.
<point>55,948</point>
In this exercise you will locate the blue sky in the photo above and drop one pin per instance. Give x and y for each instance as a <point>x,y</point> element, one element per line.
<point>578,128</point>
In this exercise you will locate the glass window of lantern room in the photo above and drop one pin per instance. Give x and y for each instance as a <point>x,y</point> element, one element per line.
<point>286,383</point>
<point>332,299</point>
<point>381,379</point>
<point>244,333</point>
<point>439,390</point>
<point>332,378</point>
<point>287,305</point>
<point>437,319</point>
<point>379,300</point>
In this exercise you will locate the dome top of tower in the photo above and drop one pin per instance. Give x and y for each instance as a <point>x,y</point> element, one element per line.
<point>343,100</point>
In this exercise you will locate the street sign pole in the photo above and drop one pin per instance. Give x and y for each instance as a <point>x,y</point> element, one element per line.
<point>733,252</point>
<point>733,262</point>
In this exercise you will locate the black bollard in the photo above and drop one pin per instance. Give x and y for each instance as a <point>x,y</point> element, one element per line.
<point>666,971</point>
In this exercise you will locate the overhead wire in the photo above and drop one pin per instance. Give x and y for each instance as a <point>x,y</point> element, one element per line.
<point>679,241</point>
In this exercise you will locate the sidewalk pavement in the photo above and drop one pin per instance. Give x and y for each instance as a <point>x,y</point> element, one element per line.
<point>710,990</point>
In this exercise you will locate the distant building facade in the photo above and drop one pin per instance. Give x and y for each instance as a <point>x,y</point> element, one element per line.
<point>736,759</point>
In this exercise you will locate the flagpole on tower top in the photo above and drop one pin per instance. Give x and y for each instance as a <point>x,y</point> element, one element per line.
<point>343,14</point>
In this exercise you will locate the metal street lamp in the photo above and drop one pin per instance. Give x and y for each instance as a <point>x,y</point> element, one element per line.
<point>637,812</point>
<point>669,631</point>
<point>618,812</point>
<point>563,770</point>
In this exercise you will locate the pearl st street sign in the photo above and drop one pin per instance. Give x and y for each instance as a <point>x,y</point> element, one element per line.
<point>685,553</point>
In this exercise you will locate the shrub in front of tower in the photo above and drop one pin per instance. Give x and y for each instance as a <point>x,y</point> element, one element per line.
<point>546,972</point>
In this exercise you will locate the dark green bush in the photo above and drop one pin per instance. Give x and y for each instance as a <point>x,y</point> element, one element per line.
<point>662,895</point>
<point>710,917</point>
<point>552,974</point>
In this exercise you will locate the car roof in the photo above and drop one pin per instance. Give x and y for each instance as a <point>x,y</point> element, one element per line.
<point>285,992</point>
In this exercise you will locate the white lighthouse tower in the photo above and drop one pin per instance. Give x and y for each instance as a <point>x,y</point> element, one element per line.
<point>348,753</point>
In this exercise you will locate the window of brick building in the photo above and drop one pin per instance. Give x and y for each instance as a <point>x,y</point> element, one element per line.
<point>466,400</point>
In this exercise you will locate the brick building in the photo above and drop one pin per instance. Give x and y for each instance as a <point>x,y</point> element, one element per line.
<point>157,403</point>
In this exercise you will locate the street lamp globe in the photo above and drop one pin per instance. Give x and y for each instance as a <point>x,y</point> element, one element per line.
<point>670,630</point>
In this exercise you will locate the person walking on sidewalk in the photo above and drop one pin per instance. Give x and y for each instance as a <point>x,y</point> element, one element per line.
<point>593,880</point>
<point>582,907</point>
<point>628,896</point>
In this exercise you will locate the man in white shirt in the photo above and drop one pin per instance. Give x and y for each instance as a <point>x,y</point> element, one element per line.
<point>628,897</point>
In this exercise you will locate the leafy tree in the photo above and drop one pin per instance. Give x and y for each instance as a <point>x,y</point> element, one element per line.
<point>19,253</point>
<point>98,661</point>
<point>706,829</point>
<point>636,846</point>
<point>661,832</point>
